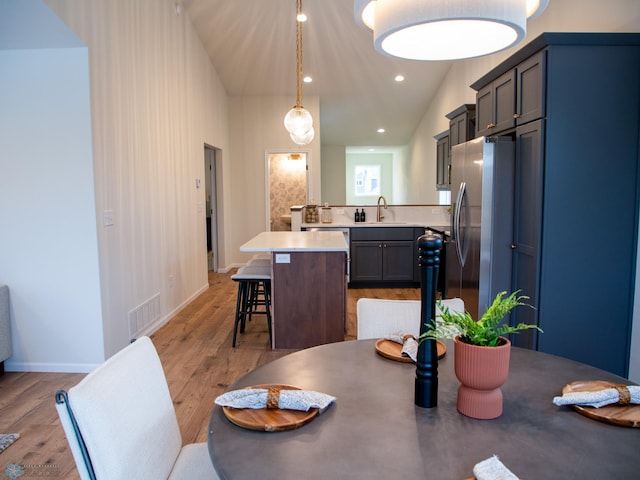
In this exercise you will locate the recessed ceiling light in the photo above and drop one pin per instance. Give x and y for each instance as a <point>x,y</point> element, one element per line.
<point>307,79</point>
<point>372,150</point>
<point>399,78</point>
<point>381,130</point>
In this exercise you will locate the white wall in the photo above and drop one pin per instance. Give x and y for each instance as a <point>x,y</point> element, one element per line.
<point>155,101</point>
<point>48,245</point>
<point>333,174</point>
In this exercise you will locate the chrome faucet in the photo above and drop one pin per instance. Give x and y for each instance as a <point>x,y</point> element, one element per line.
<point>380,217</point>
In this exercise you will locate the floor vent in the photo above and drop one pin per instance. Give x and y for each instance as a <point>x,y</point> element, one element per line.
<point>144,315</point>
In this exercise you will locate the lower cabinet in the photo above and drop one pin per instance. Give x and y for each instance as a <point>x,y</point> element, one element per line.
<point>384,256</point>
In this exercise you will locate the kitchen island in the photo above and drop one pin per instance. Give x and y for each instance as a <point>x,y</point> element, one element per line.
<point>308,286</point>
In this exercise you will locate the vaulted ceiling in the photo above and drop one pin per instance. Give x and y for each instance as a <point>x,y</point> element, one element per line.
<point>252,46</point>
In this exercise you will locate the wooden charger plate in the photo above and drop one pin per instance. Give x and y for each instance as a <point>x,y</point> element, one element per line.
<point>393,350</point>
<point>624,415</point>
<point>269,420</point>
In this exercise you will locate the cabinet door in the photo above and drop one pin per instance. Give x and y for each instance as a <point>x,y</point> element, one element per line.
<point>366,261</point>
<point>398,260</point>
<point>527,226</point>
<point>530,89</point>
<point>495,105</point>
<point>443,160</point>
<point>484,111</point>
<point>504,102</point>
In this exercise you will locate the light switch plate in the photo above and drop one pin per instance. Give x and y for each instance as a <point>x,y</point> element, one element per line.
<point>107,218</point>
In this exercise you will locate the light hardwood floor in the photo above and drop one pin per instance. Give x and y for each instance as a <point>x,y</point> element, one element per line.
<point>199,363</point>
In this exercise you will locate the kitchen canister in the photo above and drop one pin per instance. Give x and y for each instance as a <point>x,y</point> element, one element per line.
<point>325,214</point>
<point>311,214</point>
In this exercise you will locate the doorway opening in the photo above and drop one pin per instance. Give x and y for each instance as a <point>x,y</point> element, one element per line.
<point>211,167</point>
<point>286,186</point>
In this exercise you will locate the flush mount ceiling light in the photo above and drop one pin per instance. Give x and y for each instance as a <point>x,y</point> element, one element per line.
<point>298,120</point>
<point>445,29</point>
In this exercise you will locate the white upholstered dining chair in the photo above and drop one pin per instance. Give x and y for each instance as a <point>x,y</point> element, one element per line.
<point>120,422</point>
<point>379,317</point>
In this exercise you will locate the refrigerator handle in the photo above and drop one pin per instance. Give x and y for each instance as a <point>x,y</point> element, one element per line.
<point>456,220</point>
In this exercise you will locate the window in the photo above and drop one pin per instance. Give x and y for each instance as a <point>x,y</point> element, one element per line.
<point>367,180</point>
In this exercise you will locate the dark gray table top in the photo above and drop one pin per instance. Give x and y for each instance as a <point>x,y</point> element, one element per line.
<point>374,430</point>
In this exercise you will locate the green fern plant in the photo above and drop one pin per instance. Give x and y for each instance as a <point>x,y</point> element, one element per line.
<point>486,331</point>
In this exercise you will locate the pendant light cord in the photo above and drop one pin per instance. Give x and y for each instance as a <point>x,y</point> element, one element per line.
<point>298,55</point>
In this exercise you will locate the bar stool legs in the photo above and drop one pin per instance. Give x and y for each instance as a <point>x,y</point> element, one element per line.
<point>254,290</point>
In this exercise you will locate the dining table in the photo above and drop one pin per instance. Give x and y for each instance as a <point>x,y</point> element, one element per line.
<point>374,430</point>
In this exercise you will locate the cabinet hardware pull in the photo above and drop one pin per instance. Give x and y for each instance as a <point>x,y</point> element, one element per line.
<point>516,115</point>
<point>491,125</point>
<point>513,246</point>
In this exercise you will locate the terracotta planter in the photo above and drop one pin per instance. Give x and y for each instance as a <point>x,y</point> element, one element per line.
<point>481,372</point>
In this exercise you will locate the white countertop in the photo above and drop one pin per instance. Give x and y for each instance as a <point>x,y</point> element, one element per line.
<point>352,224</point>
<point>317,241</point>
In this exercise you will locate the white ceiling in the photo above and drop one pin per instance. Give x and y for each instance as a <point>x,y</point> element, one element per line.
<point>252,46</point>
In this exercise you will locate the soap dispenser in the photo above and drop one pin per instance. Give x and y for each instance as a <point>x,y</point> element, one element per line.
<point>357,216</point>
<point>362,216</point>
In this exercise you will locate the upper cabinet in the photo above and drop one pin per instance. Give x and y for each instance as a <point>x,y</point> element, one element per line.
<point>514,98</point>
<point>530,89</point>
<point>443,161</point>
<point>495,104</point>
<point>462,127</point>
<point>462,124</point>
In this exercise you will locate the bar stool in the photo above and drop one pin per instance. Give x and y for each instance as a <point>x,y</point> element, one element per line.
<point>259,262</point>
<point>254,290</point>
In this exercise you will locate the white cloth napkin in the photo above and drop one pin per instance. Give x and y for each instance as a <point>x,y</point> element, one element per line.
<point>408,342</point>
<point>597,399</point>
<point>492,469</point>
<point>256,398</point>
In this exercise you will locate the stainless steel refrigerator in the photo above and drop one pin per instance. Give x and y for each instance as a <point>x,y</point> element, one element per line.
<point>478,263</point>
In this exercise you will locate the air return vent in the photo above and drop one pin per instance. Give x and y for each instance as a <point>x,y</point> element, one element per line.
<point>144,315</point>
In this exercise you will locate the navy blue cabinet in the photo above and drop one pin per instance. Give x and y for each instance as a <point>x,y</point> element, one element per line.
<point>577,197</point>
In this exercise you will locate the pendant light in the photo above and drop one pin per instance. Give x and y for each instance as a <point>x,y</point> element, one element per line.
<point>298,120</point>
<point>445,29</point>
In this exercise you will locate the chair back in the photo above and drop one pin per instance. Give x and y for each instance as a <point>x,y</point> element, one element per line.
<point>124,417</point>
<point>377,318</point>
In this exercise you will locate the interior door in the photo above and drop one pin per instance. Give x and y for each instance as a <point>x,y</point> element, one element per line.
<point>211,194</point>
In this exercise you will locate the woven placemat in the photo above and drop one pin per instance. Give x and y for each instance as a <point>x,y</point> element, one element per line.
<point>6,439</point>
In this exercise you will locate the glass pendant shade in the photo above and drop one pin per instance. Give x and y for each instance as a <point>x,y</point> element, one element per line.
<point>303,138</point>
<point>298,120</point>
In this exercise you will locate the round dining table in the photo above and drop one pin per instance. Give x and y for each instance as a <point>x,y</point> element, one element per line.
<point>374,430</point>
